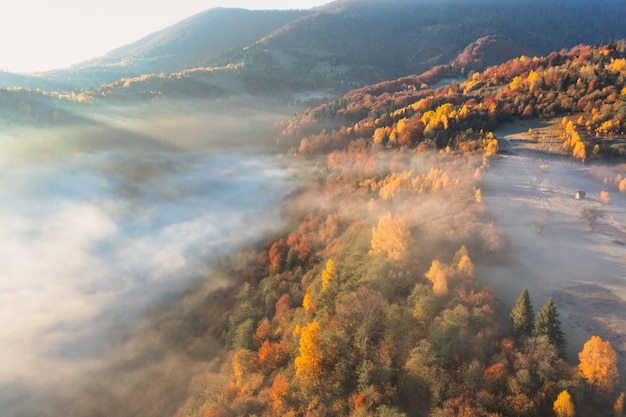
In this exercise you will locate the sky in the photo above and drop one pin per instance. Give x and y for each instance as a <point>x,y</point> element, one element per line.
<point>39,35</point>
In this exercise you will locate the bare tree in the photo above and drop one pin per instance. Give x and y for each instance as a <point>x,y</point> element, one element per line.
<point>591,215</point>
<point>542,219</point>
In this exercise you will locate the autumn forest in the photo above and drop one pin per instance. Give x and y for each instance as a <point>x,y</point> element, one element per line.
<point>370,304</point>
<point>283,227</point>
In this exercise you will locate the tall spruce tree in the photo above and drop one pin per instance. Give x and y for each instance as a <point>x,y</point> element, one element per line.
<point>547,323</point>
<point>522,316</point>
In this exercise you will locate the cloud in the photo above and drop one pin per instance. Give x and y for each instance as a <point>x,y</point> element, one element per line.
<point>101,227</point>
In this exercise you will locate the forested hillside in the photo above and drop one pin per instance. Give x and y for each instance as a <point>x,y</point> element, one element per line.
<point>585,82</point>
<point>369,303</point>
<point>352,43</point>
<point>324,52</point>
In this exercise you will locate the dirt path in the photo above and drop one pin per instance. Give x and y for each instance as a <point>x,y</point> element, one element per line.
<point>553,251</point>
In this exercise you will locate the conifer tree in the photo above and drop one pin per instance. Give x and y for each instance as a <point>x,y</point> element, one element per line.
<point>522,317</point>
<point>547,323</point>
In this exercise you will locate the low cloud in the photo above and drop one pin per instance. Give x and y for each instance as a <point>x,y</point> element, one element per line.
<point>96,227</point>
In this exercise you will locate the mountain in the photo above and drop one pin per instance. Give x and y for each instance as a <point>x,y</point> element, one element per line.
<point>350,43</point>
<point>324,52</point>
<point>369,304</point>
<point>187,44</point>
<point>346,44</point>
<point>193,41</point>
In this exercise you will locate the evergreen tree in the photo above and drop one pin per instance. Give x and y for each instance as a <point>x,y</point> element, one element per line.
<point>547,323</point>
<point>522,317</point>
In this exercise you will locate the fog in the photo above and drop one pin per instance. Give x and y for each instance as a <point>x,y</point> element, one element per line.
<point>101,221</point>
<point>553,250</point>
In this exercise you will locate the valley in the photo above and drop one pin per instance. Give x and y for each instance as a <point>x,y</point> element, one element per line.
<point>530,190</point>
<point>328,212</point>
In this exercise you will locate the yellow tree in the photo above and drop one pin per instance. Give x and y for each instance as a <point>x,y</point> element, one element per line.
<point>563,406</point>
<point>464,262</point>
<point>598,365</point>
<point>391,237</point>
<point>309,363</point>
<point>437,275</point>
<point>328,275</point>
<point>618,406</point>
<point>307,303</point>
<point>491,145</point>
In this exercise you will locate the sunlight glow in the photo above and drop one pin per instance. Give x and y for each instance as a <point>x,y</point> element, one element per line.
<point>40,35</point>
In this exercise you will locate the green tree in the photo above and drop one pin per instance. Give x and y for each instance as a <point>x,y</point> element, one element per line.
<point>522,317</point>
<point>547,323</point>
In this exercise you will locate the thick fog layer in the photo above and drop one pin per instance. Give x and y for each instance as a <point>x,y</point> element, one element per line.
<point>98,222</point>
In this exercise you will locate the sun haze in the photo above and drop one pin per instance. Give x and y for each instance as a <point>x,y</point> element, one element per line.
<point>42,35</point>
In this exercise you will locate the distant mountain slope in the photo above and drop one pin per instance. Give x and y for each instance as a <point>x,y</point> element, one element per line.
<point>327,51</point>
<point>187,44</point>
<point>191,42</point>
<point>365,41</point>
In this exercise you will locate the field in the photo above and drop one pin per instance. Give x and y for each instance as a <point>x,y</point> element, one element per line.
<point>553,250</point>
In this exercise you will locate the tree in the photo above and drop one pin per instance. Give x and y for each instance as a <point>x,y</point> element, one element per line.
<point>278,255</point>
<point>618,406</point>
<point>464,262</point>
<point>307,303</point>
<point>563,406</point>
<point>328,275</point>
<point>309,363</point>
<point>522,317</point>
<point>391,236</point>
<point>437,275</point>
<point>591,215</point>
<point>272,356</point>
<point>547,323</point>
<point>362,315</point>
<point>598,365</point>
<point>279,391</point>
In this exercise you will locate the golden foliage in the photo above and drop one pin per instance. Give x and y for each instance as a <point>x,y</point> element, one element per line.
<point>605,197</point>
<point>492,146</point>
<point>309,363</point>
<point>307,303</point>
<point>618,406</point>
<point>564,406</point>
<point>437,275</point>
<point>478,196</point>
<point>617,65</point>
<point>391,237</point>
<point>328,275</point>
<point>598,364</point>
<point>464,262</point>
<point>573,143</point>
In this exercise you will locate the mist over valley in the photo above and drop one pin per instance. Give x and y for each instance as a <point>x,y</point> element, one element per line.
<point>101,221</point>
<point>386,208</point>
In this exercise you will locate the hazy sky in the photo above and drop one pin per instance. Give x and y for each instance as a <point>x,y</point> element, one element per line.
<point>42,34</point>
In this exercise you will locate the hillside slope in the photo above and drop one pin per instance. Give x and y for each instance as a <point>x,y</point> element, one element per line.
<point>193,41</point>
<point>187,44</point>
<point>346,44</point>
<point>351,43</point>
